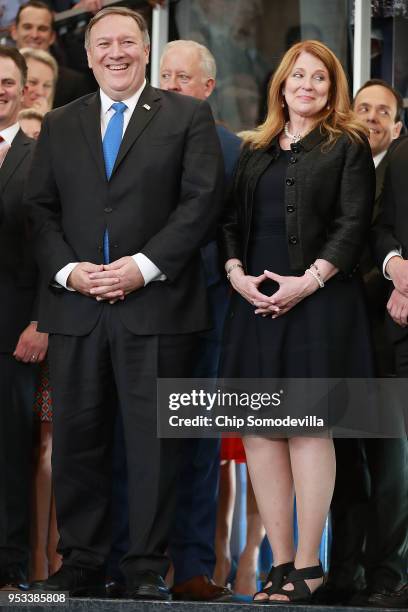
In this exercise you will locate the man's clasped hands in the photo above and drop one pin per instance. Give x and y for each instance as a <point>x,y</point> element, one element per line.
<point>106,282</point>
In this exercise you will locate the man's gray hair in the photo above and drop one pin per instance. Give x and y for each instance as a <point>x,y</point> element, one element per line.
<point>124,12</point>
<point>207,60</point>
<point>39,55</point>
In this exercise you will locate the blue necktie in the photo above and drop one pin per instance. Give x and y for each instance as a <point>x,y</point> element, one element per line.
<point>111,144</point>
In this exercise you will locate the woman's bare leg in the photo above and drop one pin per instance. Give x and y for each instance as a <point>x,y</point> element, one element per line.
<point>245,582</point>
<point>41,503</point>
<point>271,475</point>
<point>314,469</point>
<point>54,558</point>
<point>225,513</point>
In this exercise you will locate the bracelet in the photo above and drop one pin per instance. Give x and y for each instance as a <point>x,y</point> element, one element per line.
<point>313,265</point>
<point>317,279</point>
<point>231,268</point>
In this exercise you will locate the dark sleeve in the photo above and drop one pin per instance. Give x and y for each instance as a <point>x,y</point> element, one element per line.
<point>229,235</point>
<point>200,200</point>
<point>44,210</point>
<point>70,86</point>
<point>349,230</point>
<point>230,240</point>
<point>382,238</point>
<point>59,5</point>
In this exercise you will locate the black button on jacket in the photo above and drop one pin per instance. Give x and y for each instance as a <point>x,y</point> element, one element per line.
<point>328,201</point>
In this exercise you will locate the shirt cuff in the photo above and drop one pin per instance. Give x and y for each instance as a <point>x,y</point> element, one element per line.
<point>391,254</point>
<point>61,277</point>
<point>148,269</point>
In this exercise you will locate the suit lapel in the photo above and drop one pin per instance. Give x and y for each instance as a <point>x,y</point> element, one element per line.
<point>146,108</point>
<point>90,116</point>
<point>18,150</point>
<point>379,176</point>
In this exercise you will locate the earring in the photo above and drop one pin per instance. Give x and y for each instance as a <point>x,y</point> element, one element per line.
<point>283,104</point>
<point>328,107</point>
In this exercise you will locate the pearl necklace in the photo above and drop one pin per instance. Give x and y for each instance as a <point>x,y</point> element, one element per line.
<point>292,137</point>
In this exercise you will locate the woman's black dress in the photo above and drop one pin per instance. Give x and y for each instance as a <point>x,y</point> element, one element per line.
<point>326,335</point>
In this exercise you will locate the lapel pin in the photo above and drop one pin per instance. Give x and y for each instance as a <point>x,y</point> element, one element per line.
<point>146,106</point>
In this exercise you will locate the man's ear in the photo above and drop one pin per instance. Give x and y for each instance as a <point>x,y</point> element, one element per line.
<point>209,87</point>
<point>147,53</point>
<point>88,56</point>
<point>23,91</point>
<point>396,130</point>
<point>13,31</point>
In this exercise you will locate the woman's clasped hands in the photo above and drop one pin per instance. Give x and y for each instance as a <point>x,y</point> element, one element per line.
<point>292,290</point>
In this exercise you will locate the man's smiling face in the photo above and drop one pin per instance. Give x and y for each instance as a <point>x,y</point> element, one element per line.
<point>34,28</point>
<point>118,56</point>
<point>376,106</point>
<point>11,92</point>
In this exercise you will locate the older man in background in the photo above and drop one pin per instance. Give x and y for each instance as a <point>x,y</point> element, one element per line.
<point>189,68</point>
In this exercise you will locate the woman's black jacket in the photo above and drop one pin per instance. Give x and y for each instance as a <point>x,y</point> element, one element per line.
<point>329,197</point>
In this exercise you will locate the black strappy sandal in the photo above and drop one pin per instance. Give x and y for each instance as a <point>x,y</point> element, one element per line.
<point>301,592</point>
<point>277,575</point>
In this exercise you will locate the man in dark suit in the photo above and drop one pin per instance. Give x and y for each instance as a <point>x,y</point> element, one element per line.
<point>188,68</point>
<point>34,28</point>
<point>21,345</point>
<point>145,203</point>
<point>370,503</point>
<point>390,242</point>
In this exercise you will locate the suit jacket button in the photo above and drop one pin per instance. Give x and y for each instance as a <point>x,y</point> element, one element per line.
<point>293,240</point>
<point>293,159</point>
<point>290,181</point>
<point>290,208</point>
<point>108,209</point>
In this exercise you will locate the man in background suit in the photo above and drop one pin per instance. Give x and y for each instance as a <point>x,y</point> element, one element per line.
<point>133,176</point>
<point>34,28</point>
<point>390,243</point>
<point>22,347</point>
<point>370,503</point>
<point>188,68</point>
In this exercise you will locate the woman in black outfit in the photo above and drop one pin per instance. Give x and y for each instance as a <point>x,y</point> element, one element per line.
<point>292,236</point>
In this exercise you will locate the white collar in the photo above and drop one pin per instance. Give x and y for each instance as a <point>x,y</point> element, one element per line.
<point>106,101</point>
<point>379,157</point>
<point>10,133</point>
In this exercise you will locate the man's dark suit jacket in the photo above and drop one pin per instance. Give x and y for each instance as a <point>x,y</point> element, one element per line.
<point>390,232</point>
<point>70,86</point>
<point>18,271</point>
<point>377,288</point>
<point>164,195</point>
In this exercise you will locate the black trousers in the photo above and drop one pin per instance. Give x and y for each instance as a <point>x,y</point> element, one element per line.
<point>17,389</point>
<point>370,501</point>
<point>91,375</point>
<point>370,514</point>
